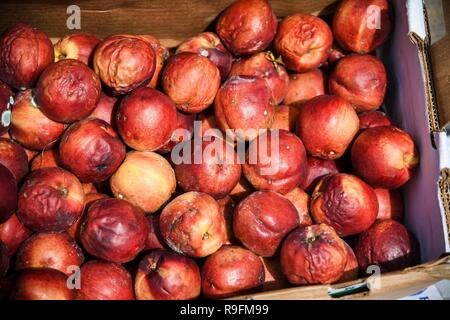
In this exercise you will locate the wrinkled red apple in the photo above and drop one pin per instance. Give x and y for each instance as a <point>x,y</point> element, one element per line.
<point>79,46</point>
<point>184,130</point>
<point>300,200</point>
<point>285,118</point>
<point>13,233</point>
<point>374,118</point>
<point>8,193</point>
<point>46,159</point>
<point>351,267</point>
<point>154,238</point>
<point>6,101</point>
<point>164,275</point>
<point>304,86</point>
<point>317,168</point>
<point>13,157</point>
<point>390,205</point>
<point>106,109</point>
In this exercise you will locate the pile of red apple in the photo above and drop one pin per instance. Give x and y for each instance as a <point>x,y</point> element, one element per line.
<point>90,191</point>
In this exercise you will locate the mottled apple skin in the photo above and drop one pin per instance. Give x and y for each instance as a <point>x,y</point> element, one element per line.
<point>244,104</point>
<point>30,127</point>
<point>103,280</point>
<point>359,29</point>
<point>304,86</point>
<point>185,122</point>
<point>247,26</point>
<point>262,220</point>
<point>313,255</point>
<point>6,99</point>
<point>192,224</point>
<point>13,233</point>
<point>191,81</point>
<point>217,174</point>
<point>230,271</point>
<point>387,244</point>
<point>4,260</point>
<point>46,159</point>
<point>114,230</point>
<point>316,169</point>
<point>300,199</point>
<point>124,62</point>
<point>144,170</point>
<point>79,46</point>
<point>385,157</point>
<point>164,275</point>
<point>42,284</point>
<point>13,157</point>
<point>24,53</point>
<point>154,237</point>
<point>106,109</point>
<point>285,118</point>
<point>344,202</point>
<point>390,204</point>
<point>280,171</point>
<point>303,41</point>
<point>49,250</point>
<point>374,118</point>
<point>338,124</point>
<point>91,149</point>
<point>361,80</point>
<point>264,65</point>
<point>50,199</point>
<point>68,91</point>
<point>146,119</point>
<point>351,269</point>
<point>8,193</point>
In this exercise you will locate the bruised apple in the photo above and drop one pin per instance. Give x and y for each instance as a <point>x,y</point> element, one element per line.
<point>105,109</point>
<point>304,86</point>
<point>184,131</point>
<point>390,205</point>
<point>13,157</point>
<point>79,46</point>
<point>13,233</point>
<point>316,169</point>
<point>300,200</point>
<point>8,193</point>
<point>164,275</point>
<point>374,118</point>
<point>247,26</point>
<point>6,101</point>
<point>262,220</point>
<point>230,271</point>
<point>46,159</point>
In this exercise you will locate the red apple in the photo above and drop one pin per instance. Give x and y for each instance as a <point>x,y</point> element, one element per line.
<point>344,202</point>
<point>362,26</point>
<point>24,53</point>
<point>146,119</point>
<point>338,124</point>
<point>316,169</point>
<point>371,119</point>
<point>50,199</point>
<point>46,159</point>
<point>226,207</point>
<point>304,86</point>
<point>8,193</point>
<point>184,131</point>
<point>300,200</point>
<point>68,91</point>
<point>91,149</point>
<point>30,127</point>
<point>89,188</point>
<point>106,109</point>
<point>313,255</point>
<point>361,80</point>
<point>247,26</point>
<point>351,267</point>
<point>154,237</point>
<point>124,62</point>
<point>102,280</point>
<point>162,55</point>
<point>191,81</point>
<point>390,205</point>
<point>6,100</point>
<point>285,118</point>
<point>385,157</point>
<point>192,224</point>
<point>13,233</point>
<point>4,260</point>
<point>13,157</point>
<point>276,161</point>
<point>242,189</point>
<point>262,220</point>
<point>303,41</point>
<point>79,46</point>
<point>164,275</point>
<point>144,171</point>
<point>334,55</point>
<point>114,230</point>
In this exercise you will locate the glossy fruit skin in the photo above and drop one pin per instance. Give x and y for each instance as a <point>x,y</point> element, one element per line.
<point>6,100</point>
<point>164,275</point>
<point>390,204</point>
<point>13,233</point>
<point>13,157</point>
<point>371,119</point>
<point>8,194</point>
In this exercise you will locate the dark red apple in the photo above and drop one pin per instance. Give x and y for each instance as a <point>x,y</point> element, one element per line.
<point>46,159</point>
<point>316,169</point>
<point>79,46</point>
<point>13,157</point>
<point>6,101</point>
<point>184,131</point>
<point>300,200</point>
<point>4,260</point>
<point>390,205</point>
<point>106,109</point>
<point>8,193</point>
<point>374,118</point>
<point>154,237</point>
<point>304,86</point>
<point>13,233</point>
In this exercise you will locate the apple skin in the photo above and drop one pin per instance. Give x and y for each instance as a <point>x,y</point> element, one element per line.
<point>68,91</point>
<point>124,62</point>
<point>241,190</point>
<point>247,26</point>
<point>79,46</point>
<point>338,121</point>
<point>164,275</point>
<point>191,81</point>
<point>280,171</point>
<point>313,255</point>
<point>226,207</point>
<point>285,118</point>
<point>13,233</point>
<point>6,99</point>
<point>264,65</point>
<point>91,149</point>
<point>8,194</point>
<point>185,122</point>
<point>352,29</point>
<point>154,237</point>
<point>4,260</point>
<point>300,199</point>
<point>24,53</point>
<point>42,284</point>
<point>390,204</point>
<point>103,280</point>
<point>217,174</point>
<point>208,44</point>
<point>316,169</point>
<point>230,271</point>
<point>387,244</point>
<point>106,109</point>
<point>303,41</point>
<point>374,118</point>
<point>144,170</point>
<point>304,86</point>
<point>192,224</point>
<point>351,269</point>
<point>146,119</point>
<point>30,127</point>
<point>162,55</point>
<point>114,230</point>
<point>262,220</point>
<point>46,159</point>
<point>344,202</point>
<point>385,157</point>
<point>50,199</point>
<point>49,250</point>
<point>244,104</point>
<point>13,157</point>
<point>361,80</point>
